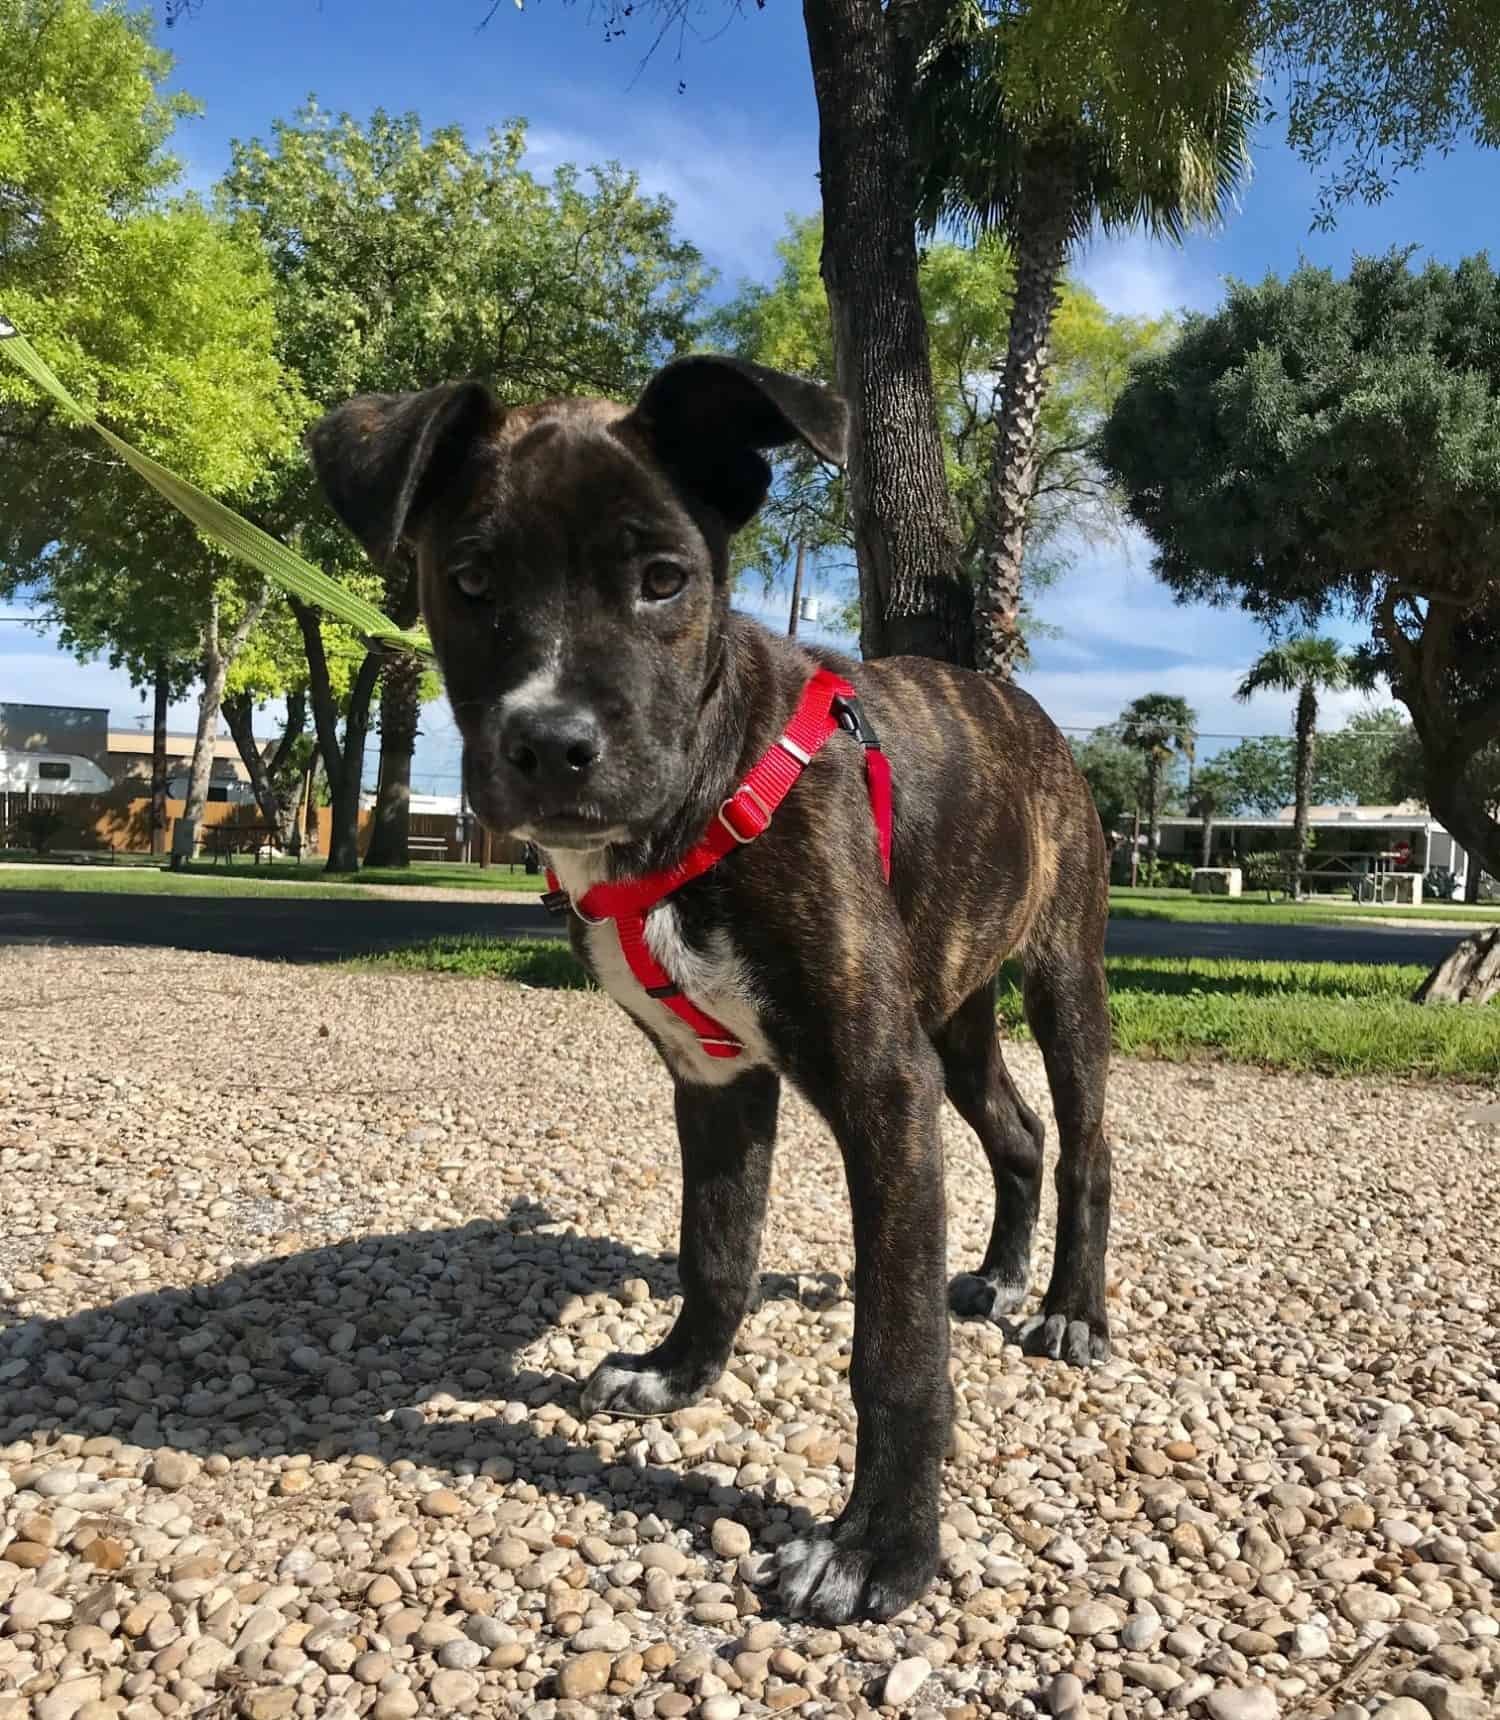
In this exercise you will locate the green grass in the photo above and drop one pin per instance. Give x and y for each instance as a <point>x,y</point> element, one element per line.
<point>149,881</point>
<point>430,874</point>
<point>204,878</point>
<point>1128,904</point>
<point>525,961</point>
<point>1334,1017</point>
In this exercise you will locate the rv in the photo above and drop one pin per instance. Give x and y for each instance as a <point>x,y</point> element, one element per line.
<point>29,773</point>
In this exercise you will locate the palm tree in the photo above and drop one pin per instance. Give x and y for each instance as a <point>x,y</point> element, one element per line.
<point>1211,792</point>
<point>1036,159</point>
<point>1307,667</point>
<point>1159,726</point>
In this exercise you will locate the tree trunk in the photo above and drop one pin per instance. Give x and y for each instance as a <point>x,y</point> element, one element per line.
<point>1472,873</point>
<point>913,599</point>
<point>791,626</point>
<point>279,813</point>
<point>1208,838</point>
<point>400,706</point>
<point>1043,223</point>
<point>162,692</point>
<point>1153,830</point>
<point>1307,741</point>
<point>215,669</point>
<point>217,660</point>
<point>343,760</point>
<point>1470,973</point>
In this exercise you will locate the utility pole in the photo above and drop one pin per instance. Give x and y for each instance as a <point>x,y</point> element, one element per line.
<point>791,626</point>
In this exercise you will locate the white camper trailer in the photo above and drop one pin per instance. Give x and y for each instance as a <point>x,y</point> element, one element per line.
<point>29,773</point>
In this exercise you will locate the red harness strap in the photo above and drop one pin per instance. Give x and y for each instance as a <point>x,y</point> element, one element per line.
<point>827,705</point>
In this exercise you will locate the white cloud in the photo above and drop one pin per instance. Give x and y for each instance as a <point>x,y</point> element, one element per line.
<point>1135,275</point>
<point>732,187</point>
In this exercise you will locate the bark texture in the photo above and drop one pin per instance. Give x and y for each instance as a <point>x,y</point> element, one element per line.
<point>400,708</point>
<point>1470,974</point>
<point>278,812</point>
<point>1307,746</point>
<point>218,657</point>
<point>343,757</point>
<point>1043,226</point>
<point>162,693</point>
<point>912,596</point>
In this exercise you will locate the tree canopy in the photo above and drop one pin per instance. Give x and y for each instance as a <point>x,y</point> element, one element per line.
<point>1324,447</point>
<point>402,256</point>
<point>966,292</point>
<point>152,310</point>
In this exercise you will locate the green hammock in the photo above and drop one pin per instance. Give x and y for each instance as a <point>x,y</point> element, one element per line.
<point>226,528</point>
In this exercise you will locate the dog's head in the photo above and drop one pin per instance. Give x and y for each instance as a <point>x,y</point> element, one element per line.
<point>572,560</point>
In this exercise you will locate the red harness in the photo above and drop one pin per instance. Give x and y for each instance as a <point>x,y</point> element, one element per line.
<point>827,705</point>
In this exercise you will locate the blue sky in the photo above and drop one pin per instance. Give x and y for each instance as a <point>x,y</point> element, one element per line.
<point>736,148</point>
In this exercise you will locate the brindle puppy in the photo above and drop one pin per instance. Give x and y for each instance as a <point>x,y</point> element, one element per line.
<point>573,564</point>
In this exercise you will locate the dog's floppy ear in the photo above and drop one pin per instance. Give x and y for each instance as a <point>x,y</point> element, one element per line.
<point>707,418</point>
<point>383,459</point>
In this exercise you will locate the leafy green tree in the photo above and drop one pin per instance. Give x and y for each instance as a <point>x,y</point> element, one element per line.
<point>1160,728</point>
<point>1320,447</point>
<point>1365,762</point>
<point>1025,151</point>
<point>1260,770</point>
<point>1212,794</point>
<point>1309,667</point>
<point>158,318</point>
<point>401,258</point>
<point>1115,777</point>
<point>967,293</point>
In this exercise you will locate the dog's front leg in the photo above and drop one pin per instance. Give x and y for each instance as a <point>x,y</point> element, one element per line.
<point>881,1554</point>
<point>726,1135</point>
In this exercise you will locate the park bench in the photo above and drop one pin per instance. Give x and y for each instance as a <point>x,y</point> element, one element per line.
<point>427,847</point>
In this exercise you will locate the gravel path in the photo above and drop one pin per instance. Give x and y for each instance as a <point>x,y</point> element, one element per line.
<point>302,1269</point>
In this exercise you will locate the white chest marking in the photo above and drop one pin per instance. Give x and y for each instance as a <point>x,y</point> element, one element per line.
<point>715,979</point>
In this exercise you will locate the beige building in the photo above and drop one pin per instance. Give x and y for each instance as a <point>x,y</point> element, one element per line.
<point>85,733</point>
<point>128,760</point>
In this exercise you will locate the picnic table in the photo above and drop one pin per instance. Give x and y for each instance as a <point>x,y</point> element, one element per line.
<point>224,841</point>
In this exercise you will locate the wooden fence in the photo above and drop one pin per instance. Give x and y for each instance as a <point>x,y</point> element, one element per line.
<point>122,822</point>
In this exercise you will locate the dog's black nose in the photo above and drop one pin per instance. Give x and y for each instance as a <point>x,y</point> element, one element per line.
<point>555,746</point>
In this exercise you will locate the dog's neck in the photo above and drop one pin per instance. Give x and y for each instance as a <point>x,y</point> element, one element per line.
<point>748,699</point>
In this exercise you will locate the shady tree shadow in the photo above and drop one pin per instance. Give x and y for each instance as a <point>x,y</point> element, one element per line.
<point>399,1346</point>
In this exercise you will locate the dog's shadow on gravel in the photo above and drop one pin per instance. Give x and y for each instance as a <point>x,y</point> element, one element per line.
<point>403,1346</point>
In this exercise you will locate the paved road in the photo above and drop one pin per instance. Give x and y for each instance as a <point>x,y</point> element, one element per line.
<point>319,930</point>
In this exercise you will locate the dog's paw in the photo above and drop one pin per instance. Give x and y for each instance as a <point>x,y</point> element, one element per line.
<point>823,1578</point>
<point>973,1296</point>
<point>1078,1339</point>
<point>631,1385</point>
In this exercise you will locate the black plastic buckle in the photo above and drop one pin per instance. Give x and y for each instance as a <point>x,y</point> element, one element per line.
<point>850,716</point>
<point>557,903</point>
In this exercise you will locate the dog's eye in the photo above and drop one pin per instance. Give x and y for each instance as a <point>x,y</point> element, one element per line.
<point>661,580</point>
<point>472,582</point>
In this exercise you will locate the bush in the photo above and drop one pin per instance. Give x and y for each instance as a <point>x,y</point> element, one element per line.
<point>1269,870</point>
<point>1440,884</point>
<point>1167,875</point>
<point>37,826</point>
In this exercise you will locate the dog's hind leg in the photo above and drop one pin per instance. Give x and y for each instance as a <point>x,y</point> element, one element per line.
<point>726,1135</point>
<point>1067,1004</point>
<point>1012,1136</point>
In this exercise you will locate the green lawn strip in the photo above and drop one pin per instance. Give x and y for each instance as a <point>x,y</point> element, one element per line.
<point>203,878</point>
<point>1333,1017</point>
<point>539,962</point>
<point>434,875</point>
<point>1182,906</point>
<point>152,881</point>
